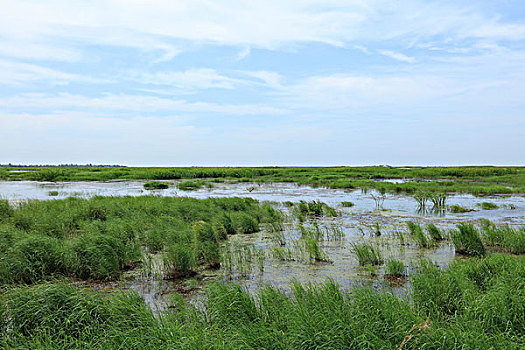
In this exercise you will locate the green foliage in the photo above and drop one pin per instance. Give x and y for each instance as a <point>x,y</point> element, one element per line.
<point>467,240</point>
<point>367,253</point>
<point>101,237</point>
<point>193,185</point>
<point>434,233</point>
<point>179,260</point>
<point>474,304</point>
<point>488,206</point>
<point>475,180</point>
<point>418,235</point>
<point>457,209</point>
<point>155,185</point>
<point>5,210</point>
<point>395,268</point>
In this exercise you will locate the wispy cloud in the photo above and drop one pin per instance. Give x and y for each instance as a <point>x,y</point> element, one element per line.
<point>397,56</point>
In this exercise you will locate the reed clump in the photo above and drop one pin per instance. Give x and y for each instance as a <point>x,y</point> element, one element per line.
<point>367,253</point>
<point>155,185</point>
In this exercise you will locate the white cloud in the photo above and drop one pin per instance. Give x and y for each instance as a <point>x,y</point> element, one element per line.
<point>129,103</point>
<point>397,56</point>
<point>16,73</point>
<point>197,78</point>
<point>243,54</point>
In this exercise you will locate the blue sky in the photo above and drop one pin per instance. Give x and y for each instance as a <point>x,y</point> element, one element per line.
<point>306,82</point>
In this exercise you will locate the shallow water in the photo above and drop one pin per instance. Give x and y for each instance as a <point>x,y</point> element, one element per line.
<point>356,223</point>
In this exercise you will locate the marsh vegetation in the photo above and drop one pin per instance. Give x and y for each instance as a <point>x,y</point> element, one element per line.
<point>389,279</point>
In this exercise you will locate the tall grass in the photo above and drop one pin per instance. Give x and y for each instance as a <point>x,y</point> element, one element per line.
<point>474,304</point>
<point>101,237</point>
<point>467,240</point>
<point>367,253</point>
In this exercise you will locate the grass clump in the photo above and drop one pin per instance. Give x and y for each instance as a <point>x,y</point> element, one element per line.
<point>155,185</point>
<point>503,237</point>
<point>367,254</point>
<point>457,209</point>
<point>434,233</point>
<point>395,268</point>
<point>467,240</point>
<point>418,235</point>
<point>52,193</point>
<point>488,206</point>
<point>193,185</point>
<point>347,204</point>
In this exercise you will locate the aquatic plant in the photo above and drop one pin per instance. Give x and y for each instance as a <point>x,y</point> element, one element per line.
<point>467,240</point>
<point>52,193</point>
<point>193,185</point>
<point>395,268</point>
<point>418,235</point>
<point>458,209</point>
<point>155,185</point>
<point>477,303</point>
<point>438,200</point>
<point>347,204</point>
<point>434,233</point>
<point>488,206</point>
<point>421,198</point>
<point>367,253</point>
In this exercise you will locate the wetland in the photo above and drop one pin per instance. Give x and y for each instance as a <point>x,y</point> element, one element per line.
<point>249,261</point>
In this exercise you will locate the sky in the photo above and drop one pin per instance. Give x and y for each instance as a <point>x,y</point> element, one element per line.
<point>288,82</point>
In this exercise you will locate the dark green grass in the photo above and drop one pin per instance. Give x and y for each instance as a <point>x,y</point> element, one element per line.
<point>475,304</point>
<point>155,185</point>
<point>367,253</point>
<point>101,237</point>
<point>475,180</point>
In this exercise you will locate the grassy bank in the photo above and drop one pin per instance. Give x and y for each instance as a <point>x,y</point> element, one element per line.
<point>476,180</point>
<point>475,304</point>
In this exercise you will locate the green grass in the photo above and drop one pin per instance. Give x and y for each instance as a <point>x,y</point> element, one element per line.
<point>193,185</point>
<point>475,180</point>
<point>155,185</point>
<point>488,206</point>
<point>416,232</point>
<point>467,240</point>
<point>347,204</point>
<point>503,237</point>
<point>395,268</point>
<point>457,209</point>
<point>367,253</point>
<point>101,237</point>
<point>474,304</point>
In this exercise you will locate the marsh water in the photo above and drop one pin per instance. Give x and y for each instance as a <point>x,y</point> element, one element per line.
<point>360,222</point>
